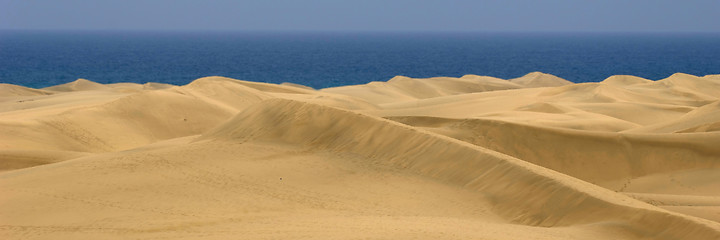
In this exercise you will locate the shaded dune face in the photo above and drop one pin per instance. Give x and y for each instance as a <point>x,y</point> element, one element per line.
<point>474,157</point>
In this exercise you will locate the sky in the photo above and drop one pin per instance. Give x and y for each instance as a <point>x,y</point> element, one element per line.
<point>365,15</point>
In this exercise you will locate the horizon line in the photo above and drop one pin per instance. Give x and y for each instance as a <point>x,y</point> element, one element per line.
<point>350,31</point>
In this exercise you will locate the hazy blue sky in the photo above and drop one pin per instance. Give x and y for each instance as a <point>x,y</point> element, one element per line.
<point>365,15</point>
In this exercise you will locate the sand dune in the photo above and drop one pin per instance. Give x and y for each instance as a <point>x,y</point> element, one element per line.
<point>706,87</point>
<point>9,90</point>
<point>624,80</point>
<point>701,119</point>
<point>475,157</point>
<point>134,87</point>
<point>402,88</point>
<point>326,129</point>
<point>17,159</point>
<point>78,85</point>
<point>597,157</point>
<point>538,79</point>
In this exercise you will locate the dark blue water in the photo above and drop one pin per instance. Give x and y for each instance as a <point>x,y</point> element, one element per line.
<point>40,59</point>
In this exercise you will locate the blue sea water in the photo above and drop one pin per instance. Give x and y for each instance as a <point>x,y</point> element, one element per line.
<point>324,59</point>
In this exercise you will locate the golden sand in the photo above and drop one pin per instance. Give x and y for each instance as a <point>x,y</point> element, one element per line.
<point>475,157</point>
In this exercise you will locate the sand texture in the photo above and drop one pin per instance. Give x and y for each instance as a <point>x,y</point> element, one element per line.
<point>475,157</point>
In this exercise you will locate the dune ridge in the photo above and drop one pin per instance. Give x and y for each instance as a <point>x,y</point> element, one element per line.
<point>9,90</point>
<point>612,156</point>
<point>474,157</point>
<point>538,79</point>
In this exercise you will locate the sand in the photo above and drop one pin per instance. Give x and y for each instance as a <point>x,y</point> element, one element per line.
<point>474,157</point>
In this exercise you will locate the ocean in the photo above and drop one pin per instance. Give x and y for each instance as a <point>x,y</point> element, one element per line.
<point>325,59</point>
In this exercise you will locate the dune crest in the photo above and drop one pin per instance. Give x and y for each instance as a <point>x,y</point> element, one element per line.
<point>538,79</point>
<point>625,80</point>
<point>77,85</point>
